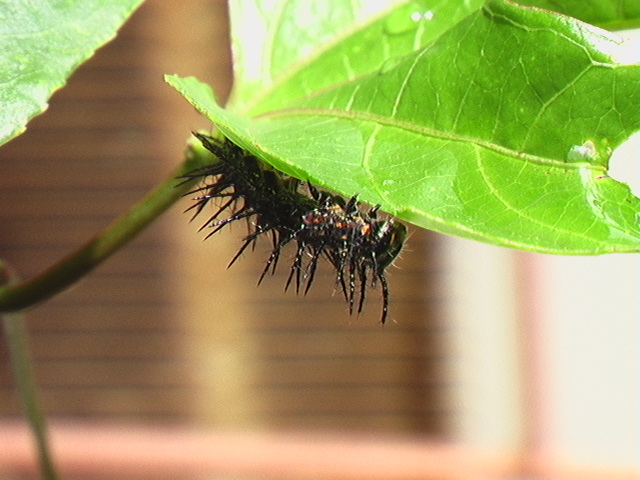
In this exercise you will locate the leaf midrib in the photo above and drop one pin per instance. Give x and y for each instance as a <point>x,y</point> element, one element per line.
<point>428,132</point>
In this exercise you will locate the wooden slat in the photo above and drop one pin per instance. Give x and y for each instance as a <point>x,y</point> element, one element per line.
<point>112,317</point>
<point>342,371</point>
<point>132,346</point>
<point>160,404</point>
<point>344,344</point>
<point>85,175</point>
<point>347,399</point>
<point>108,373</point>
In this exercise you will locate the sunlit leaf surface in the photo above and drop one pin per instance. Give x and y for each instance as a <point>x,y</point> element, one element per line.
<point>500,129</point>
<point>609,14</point>
<point>41,43</point>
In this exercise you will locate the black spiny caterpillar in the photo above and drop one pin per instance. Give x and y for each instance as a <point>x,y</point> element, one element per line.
<point>358,244</point>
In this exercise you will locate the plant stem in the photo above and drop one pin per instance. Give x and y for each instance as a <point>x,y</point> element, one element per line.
<point>73,267</point>
<point>24,375</point>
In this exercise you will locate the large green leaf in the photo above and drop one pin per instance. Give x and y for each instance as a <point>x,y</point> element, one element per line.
<point>500,130</point>
<point>289,48</point>
<point>41,43</point>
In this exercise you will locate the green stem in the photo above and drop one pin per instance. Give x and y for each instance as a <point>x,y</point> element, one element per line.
<point>73,267</point>
<point>24,375</point>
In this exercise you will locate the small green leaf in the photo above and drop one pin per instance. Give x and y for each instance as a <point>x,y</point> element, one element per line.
<point>41,43</point>
<point>500,130</point>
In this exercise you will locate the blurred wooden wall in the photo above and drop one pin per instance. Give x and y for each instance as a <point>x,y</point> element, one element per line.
<point>114,345</point>
<point>163,332</point>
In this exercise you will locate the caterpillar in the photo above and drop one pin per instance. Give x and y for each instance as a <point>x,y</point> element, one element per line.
<point>359,245</point>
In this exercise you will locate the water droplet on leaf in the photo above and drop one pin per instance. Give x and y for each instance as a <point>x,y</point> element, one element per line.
<point>407,19</point>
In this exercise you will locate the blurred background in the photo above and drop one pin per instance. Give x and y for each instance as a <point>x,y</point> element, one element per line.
<point>495,363</point>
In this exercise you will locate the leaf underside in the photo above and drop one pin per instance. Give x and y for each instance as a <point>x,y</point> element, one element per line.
<point>495,125</point>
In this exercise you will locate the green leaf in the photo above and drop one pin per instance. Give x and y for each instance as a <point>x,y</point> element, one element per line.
<point>41,43</point>
<point>500,130</point>
<point>286,49</point>
<point>609,14</point>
